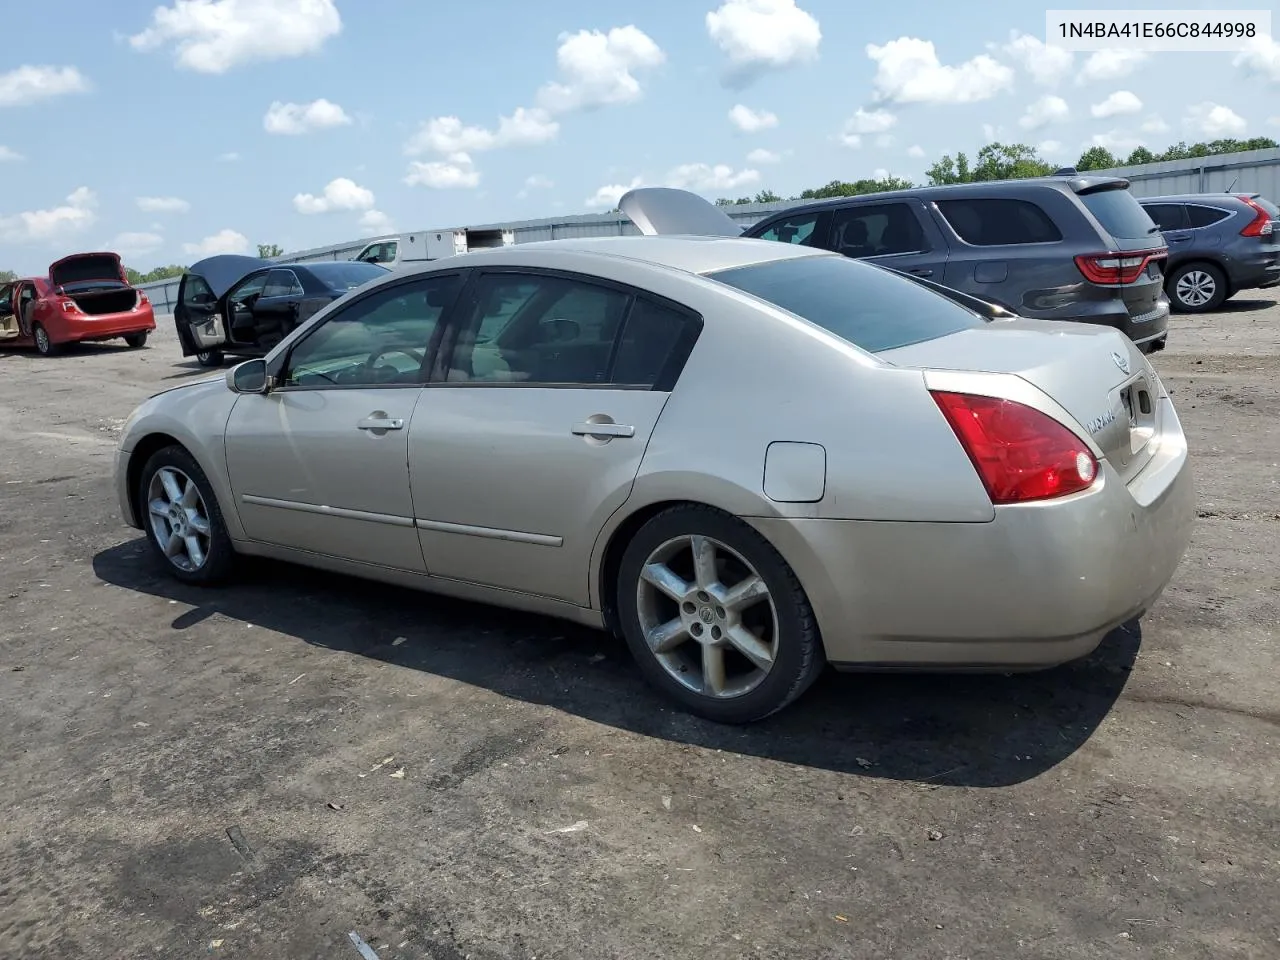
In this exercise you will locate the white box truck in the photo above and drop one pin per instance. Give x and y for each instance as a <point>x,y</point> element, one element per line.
<point>407,248</point>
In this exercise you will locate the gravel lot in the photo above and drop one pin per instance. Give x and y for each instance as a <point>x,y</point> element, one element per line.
<point>257,771</point>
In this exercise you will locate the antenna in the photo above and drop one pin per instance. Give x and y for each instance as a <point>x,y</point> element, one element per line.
<point>1233,183</point>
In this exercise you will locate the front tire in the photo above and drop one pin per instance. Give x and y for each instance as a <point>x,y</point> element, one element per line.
<point>136,340</point>
<point>210,358</point>
<point>715,618</point>
<point>44,343</point>
<point>1197,288</point>
<point>183,521</point>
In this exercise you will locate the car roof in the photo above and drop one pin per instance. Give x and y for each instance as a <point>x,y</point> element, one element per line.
<point>699,255</point>
<point>1196,197</point>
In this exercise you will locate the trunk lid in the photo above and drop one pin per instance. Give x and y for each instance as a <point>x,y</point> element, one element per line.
<point>665,211</point>
<point>1094,373</point>
<point>86,268</point>
<point>1136,246</point>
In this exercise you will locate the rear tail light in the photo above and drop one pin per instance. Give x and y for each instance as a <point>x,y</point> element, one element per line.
<point>142,297</point>
<point>1114,269</point>
<point>1020,454</point>
<point>1260,225</point>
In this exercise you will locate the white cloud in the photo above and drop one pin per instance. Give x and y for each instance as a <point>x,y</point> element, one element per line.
<point>1111,65</point>
<point>339,194</point>
<point>376,222</point>
<point>865,122</point>
<point>1214,121</point>
<point>1155,125</point>
<point>761,35</point>
<point>52,225</point>
<point>224,241</point>
<point>162,205</point>
<point>231,157</point>
<point>702,176</point>
<point>915,151</point>
<point>456,173</point>
<point>1120,143</point>
<point>608,196</point>
<point>9,155</point>
<point>449,134</point>
<point>213,36</point>
<point>750,121</point>
<point>880,173</point>
<point>1046,65</point>
<point>1261,57</point>
<point>599,69</point>
<point>1047,148</point>
<point>293,119</point>
<point>763,156</point>
<point>136,244</point>
<point>538,182</point>
<point>29,84</point>
<point>1045,111</point>
<point>1119,104</point>
<point>908,71</point>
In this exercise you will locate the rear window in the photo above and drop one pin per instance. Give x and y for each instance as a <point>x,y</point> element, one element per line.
<point>1199,216</point>
<point>346,274</point>
<point>1119,213</point>
<point>869,306</point>
<point>999,222</point>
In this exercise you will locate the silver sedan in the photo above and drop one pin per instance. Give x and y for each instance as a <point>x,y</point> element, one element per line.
<point>749,459</point>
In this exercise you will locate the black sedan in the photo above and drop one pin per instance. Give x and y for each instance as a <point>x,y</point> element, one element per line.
<point>243,306</point>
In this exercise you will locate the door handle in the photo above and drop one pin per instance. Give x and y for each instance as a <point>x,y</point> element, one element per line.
<point>381,423</point>
<point>621,430</point>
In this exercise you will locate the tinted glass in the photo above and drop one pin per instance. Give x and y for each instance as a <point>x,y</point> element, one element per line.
<point>381,340</point>
<point>1168,216</point>
<point>281,283</point>
<point>648,341</point>
<point>1205,216</point>
<point>249,289</point>
<point>1120,214</point>
<point>6,300</point>
<point>346,274</point>
<point>868,306</point>
<point>196,291</point>
<point>539,330</point>
<point>796,229</point>
<point>876,230</point>
<point>996,222</point>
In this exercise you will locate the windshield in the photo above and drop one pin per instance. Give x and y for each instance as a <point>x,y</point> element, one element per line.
<point>869,306</point>
<point>1120,214</point>
<point>346,274</point>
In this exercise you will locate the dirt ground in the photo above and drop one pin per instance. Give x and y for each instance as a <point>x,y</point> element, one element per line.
<point>256,772</point>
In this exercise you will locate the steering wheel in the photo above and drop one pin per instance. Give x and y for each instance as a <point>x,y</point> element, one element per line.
<point>418,356</point>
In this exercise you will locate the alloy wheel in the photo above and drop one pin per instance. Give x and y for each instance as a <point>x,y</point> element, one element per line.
<point>1195,288</point>
<point>707,616</point>
<point>179,518</point>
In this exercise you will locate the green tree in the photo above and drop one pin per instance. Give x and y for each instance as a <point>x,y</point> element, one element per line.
<point>766,196</point>
<point>842,188</point>
<point>1097,158</point>
<point>1140,155</point>
<point>268,251</point>
<point>948,170</point>
<point>159,273</point>
<point>1009,161</point>
<point>7,276</point>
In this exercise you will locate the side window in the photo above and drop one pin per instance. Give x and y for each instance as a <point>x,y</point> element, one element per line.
<point>281,283</point>
<point>247,291</point>
<point>877,230</point>
<point>383,339</point>
<point>650,338</point>
<point>6,300</point>
<point>997,222</point>
<point>1205,216</point>
<point>26,295</point>
<point>1167,216</point>
<point>797,229</point>
<point>196,291</point>
<point>538,329</point>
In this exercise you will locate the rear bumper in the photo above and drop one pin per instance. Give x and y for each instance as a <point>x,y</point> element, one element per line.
<point>1254,274</point>
<point>108,326</point>
<point>1037,586</point>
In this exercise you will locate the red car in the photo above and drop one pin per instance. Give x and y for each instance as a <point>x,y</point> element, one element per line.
<point>85,297</point>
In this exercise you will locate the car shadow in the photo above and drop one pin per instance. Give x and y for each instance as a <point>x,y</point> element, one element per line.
<point>1245,306</point>
<point>954,730</point>
<point>193,368</point>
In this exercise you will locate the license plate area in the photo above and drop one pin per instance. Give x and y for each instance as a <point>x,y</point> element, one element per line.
<point>1138,399</point>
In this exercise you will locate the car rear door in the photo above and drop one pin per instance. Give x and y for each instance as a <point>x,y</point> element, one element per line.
<point>532,434</point>
<point>897,234</point>
<point>197,316</point>
<point>8,320</point>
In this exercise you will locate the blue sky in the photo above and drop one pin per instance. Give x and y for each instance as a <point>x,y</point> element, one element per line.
<point>167,132</point>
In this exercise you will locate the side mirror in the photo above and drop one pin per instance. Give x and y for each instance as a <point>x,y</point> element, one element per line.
<point>249,377</point>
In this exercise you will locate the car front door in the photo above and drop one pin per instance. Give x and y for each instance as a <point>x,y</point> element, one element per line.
<point>8,319</point>
<point>276,310</point>
<point>808,228</point>
<point>320,463</point>
<point>532,433</point>
<point>897,234</point>
<point>241,301</point>
<point>197,318</point>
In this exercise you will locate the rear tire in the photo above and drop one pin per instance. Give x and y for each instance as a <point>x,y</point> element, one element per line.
<point>210,358</point>
<point>182,519</point>
<point>136,340</point>
<point>44,344</point>
<point>1197,288</point>
<point>721,651</point>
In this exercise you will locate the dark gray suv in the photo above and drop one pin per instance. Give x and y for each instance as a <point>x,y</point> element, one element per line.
<point>1219,244</point>
<point>1069,247</point>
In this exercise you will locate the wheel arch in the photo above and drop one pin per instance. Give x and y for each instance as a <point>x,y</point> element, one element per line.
<point>1197,259</point>
<point>157,439</point>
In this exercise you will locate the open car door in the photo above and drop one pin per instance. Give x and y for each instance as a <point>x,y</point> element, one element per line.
<point>199,315</point>
<point>664,211</point>
<point>9,329</point>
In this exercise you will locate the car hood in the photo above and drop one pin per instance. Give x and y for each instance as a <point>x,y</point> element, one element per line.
<point>187,385</point>
<point>664,211</point>
<point>80,267</point>
<point>225,270</point>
